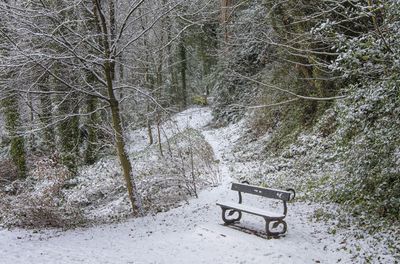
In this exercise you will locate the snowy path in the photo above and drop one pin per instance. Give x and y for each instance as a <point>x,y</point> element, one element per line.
<point>191,233</point>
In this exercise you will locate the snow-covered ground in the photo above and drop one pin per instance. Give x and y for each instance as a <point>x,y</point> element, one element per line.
<point>191,233</point>
<point>195,117</point>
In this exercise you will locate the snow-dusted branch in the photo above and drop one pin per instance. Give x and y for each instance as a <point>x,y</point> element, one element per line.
<point>277,88</point>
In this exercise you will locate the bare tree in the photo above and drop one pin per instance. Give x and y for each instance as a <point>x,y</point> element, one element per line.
<point>70,40</point>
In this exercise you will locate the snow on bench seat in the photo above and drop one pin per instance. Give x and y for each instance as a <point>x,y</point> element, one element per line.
<point>251,210</point>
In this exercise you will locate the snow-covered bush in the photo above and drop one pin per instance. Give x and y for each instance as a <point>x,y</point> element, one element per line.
<point>186,166</point>
<point>368,125</point>
<point>369,133</point>
<point>29,210</point>
<point>38,201</point>
<point>8,173</point>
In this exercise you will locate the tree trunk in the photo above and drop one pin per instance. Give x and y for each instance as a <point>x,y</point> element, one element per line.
<point>225,15</point>
<point>120,144</point>
<point>109,70</point>
<point>17,145</point>
<point>92,122</point>
<point>46,116</point>
<point>112,34</point>
<point>69,136</point>
<point>148,123</point>
<point>159,134</point>
<point>68,128</point>
<point>11,110</point>
<point>183,65</point>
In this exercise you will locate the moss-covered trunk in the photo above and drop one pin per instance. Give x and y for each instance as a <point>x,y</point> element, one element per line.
<point>68,131</point>
<point>183,68</point>
<point>17,142</point>
<point>120,142</point>
<point>46,116</point>
<point>92,138</point>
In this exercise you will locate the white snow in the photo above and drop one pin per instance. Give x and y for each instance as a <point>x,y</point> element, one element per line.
<point>192,233</point>
<point>195,117</point>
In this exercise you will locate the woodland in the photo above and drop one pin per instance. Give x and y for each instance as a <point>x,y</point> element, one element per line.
<point>91,92</point>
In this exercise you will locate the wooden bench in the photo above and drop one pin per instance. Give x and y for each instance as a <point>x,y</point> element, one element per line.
<point>275,218</point>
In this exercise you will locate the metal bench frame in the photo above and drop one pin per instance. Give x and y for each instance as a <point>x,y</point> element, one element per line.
<point>228,210</point>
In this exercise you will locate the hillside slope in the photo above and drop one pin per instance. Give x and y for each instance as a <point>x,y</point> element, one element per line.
<point>192,233</point>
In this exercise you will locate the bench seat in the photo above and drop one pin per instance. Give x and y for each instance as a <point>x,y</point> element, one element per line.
<point>252,210</point>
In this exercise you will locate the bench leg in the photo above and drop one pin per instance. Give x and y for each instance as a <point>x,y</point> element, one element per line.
<point>275,224</point>
<point>230,213</point>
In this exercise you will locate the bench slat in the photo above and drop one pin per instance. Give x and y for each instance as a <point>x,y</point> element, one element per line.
<point>251,210</point>
<point>266,192</point>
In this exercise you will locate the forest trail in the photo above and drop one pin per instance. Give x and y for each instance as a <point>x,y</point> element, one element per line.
<point>191,233</point>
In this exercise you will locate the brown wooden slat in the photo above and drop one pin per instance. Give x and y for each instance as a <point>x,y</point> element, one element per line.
<point>265,192</point>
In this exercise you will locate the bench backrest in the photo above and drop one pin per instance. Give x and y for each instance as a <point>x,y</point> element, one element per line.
<point>265,192</point>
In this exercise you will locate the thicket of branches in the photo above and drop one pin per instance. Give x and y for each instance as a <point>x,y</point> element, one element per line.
<point>305,57</point>
<point>75,74</point>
